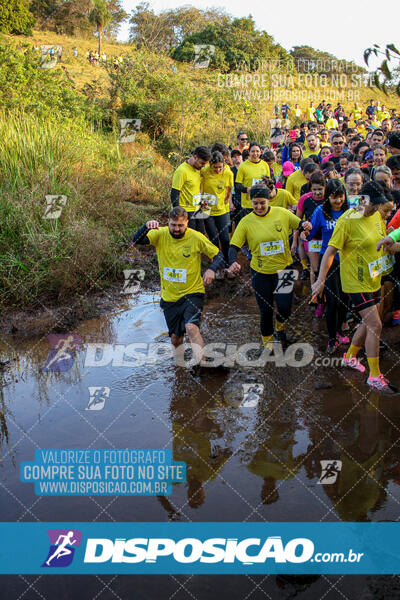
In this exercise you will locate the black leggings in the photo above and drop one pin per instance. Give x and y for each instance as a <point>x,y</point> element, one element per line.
<point>217,228</point>
<point>264,286</point>
<point>336,300</point>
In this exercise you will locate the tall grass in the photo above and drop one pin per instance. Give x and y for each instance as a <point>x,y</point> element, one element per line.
<point>44,260</point>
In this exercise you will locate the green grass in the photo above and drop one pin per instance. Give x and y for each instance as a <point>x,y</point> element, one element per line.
<point>46,260</point>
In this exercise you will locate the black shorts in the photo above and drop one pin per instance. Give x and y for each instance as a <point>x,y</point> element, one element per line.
<point>185,310</point>
<point>365,299</point>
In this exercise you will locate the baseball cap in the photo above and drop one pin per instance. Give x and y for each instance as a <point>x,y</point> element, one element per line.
<point>287,168</point>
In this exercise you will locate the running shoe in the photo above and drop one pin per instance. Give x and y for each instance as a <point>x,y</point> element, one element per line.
<point>352,363</point>
<point>305,275</point>
<point>332,346</point>
<point>396,317</point>
<point>342,339</point>
<point>381,384</point>
<point>319,313</point>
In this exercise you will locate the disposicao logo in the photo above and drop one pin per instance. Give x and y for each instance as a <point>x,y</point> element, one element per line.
<point>62,547</point>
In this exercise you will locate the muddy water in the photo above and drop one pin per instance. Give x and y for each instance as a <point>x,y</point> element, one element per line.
<point>254,458</point>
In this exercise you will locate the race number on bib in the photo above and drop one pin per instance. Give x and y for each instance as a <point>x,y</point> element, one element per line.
<point>268,248</point>
<point>381,265</point>
<point>315,246</point>
<point>176,275</point>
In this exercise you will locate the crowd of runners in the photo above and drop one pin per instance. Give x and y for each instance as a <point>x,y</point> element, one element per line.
<point>326,196</point>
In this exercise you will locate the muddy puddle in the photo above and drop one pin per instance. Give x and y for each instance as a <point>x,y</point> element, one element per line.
<point>252,437</point>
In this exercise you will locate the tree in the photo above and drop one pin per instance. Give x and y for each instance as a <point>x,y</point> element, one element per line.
<point>165,31</point>
<point>307,59</point>
<point>384,76</point>
<point>238,45</point>
<point>15,17</point>
<point>100,17</point>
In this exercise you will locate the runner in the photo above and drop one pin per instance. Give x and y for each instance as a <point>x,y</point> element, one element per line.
<point>249,173</point>
<point>323,220</point>
<point>179,250</point>
<point>353,181</point>
<point>266,230</point>
<point>305,208</point>
<point>279,197</point>
<point>242,142</point>
<point>217,182</point>
<point>186,185</point>
<point>356,236</point>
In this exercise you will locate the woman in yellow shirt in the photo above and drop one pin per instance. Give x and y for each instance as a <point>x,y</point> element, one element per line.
<point>266,230</point>
<point>249,173</point>
<point>356,235</point>
<point>216,187</point>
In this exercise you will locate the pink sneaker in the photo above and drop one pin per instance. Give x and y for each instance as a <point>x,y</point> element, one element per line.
<point>381,384</point>
<point>352,363</point>
<point>319,313</point>
<point>342,339</point>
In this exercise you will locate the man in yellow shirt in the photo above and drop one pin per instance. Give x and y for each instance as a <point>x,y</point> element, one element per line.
<point>309,114</point>
<point>313,143</point>
<point>296,180</point>
<point>356,113</point>
<point>179,251</point>
<point>383,113</point>
<point>186,185</point>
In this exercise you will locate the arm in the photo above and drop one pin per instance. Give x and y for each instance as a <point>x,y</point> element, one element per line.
<point>175,197</point>
<point>140,237</point>
<point>234,266</point>
<point>326,264</point>
<point>217,263</point>
<point>240,189</point>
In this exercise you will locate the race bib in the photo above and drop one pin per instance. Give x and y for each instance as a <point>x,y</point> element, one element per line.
<point>175,275</point>
<point>268,248</point>
<point>381,265</point>
<point>315,246</point>
<point>255,181</point>
<point>211,199</point>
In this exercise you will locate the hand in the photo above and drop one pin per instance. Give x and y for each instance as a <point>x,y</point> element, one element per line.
<point>208,277</point>
<point>318,287</point>
<point>234,269</point>
<point>303,236</point>
<point>307,226</point>
<point>385,243</point>
<point>293,248</point>
<point>152,224</point>
<point>395,248</point>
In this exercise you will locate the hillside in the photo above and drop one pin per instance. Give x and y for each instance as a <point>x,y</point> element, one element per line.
<point>60,136</point>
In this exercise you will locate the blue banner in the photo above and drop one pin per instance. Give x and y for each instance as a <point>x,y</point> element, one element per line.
<point>197,548</point>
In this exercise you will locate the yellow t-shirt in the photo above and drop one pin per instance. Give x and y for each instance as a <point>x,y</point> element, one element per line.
<point>186,179</point>
<point>310,113</point>
<point>216,184</point>
<point>332,124</point>
<point>294,183</point>
<point>361,266</point>
<point>308,152</point>
<point>356,114</point>
<point>277,168</point>
<point>179,261</point>
<point>383,114</point>
<point>248,174</point>
<point>283,199</point>
<point>268,239</point>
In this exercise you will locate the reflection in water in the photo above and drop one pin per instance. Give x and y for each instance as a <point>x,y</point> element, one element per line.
<point>195,433</point>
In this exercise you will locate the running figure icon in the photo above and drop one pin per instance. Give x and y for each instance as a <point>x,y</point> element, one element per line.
<point>62,550</point>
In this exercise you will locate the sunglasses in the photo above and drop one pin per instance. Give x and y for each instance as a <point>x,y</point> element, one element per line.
<point>244,139</point>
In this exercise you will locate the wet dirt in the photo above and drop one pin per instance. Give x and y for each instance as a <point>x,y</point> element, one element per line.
<point>254,457</point>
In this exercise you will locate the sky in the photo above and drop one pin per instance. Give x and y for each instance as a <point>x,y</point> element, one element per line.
<point>359,24</point>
